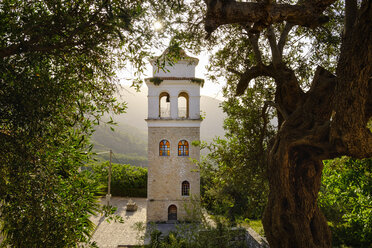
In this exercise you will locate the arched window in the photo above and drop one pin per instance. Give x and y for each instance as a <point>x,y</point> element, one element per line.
<point>164,149</point>
<point>183,148</point>
<point>183,105</point>
<point>164,105</point>
<point>172,212</point>
<point>185,188</point>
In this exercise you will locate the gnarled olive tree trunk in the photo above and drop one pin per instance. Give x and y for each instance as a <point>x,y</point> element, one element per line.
<point>327,121</point>
<point>292,216</point>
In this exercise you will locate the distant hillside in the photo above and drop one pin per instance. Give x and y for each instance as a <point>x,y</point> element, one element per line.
<point>212,125</point>
<point>129,140</point>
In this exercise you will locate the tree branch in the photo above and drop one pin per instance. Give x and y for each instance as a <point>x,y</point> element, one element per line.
<point>253,38</point>
<point>351,9</point>
<point>283,37</point>
<point>232,70</point>
<point>288,94</point>
<point>368,111</point>
<point>251,73</point>
<point>277,58</point>
<point>308,14</point>
<point>319,97</point>
<point>264,126</point>
<point>275,105</point>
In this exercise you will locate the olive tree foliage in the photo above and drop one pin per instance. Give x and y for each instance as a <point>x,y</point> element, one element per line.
<point>233,173</point>
<point>57,77</point>
<point>318,54</point>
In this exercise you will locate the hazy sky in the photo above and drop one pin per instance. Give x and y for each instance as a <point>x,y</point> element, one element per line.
<point>209,89</point>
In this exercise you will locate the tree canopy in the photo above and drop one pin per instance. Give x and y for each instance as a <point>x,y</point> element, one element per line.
<point>316,56</point>
<point>57,64</point>
<point>345,198</point>
<point>233,173</point>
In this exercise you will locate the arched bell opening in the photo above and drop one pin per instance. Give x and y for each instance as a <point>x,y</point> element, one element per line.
<point>183,105</point>
<point>164,105</point>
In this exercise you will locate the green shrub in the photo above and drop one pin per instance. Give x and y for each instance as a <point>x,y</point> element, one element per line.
<point>345,199</point>
<point>126,180</point>
<point>196,236</point>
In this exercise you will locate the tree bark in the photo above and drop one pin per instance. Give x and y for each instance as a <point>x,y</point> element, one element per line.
<point>349,133</point>
<point>309,135</point>
<point>292,217</point>
<point>262,14</point>
<point>327,121</point>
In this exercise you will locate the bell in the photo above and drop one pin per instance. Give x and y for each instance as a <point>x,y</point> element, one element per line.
<point>167,100</point>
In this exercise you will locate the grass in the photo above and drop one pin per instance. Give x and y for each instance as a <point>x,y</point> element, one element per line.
<point>256,225</point>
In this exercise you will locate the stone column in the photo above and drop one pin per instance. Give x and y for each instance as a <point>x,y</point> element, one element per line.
<point>174,107</point>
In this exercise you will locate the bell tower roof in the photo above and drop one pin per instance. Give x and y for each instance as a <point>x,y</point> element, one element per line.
<point>173,91</point>
<point>174,65</point>
<point>181,55</point>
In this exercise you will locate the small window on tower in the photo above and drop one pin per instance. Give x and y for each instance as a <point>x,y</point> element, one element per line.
<point>164,149</point>
<point>183,148</point>
<point>185,188</point>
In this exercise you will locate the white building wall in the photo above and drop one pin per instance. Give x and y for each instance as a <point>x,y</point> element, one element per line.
<point>194,107</point>
<point>153,106</point>
<point>181,69</point>
<point>174,88</point>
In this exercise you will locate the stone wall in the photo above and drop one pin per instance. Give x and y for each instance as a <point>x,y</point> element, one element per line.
<point>249,237</point>
<point>166,173</point>
<point>254,240</point>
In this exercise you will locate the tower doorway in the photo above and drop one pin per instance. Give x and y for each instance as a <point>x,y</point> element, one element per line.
<point>172,212</point>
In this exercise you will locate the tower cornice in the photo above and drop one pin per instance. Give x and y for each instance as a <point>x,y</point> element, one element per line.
<point>174,78</point>
<point>182,122</point>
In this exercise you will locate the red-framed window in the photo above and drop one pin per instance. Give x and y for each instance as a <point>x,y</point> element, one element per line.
<point>183,148</point>
<point>164,148</point>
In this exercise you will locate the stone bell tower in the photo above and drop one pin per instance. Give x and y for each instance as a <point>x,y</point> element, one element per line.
<point>173,124</point>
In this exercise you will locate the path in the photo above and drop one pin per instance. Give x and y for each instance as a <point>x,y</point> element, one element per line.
<point>111,235</point>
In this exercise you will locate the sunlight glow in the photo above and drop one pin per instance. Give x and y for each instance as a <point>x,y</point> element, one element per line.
<point>158,25</point>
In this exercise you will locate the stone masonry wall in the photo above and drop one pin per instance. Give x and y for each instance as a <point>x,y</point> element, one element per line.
<point>166,173</point>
